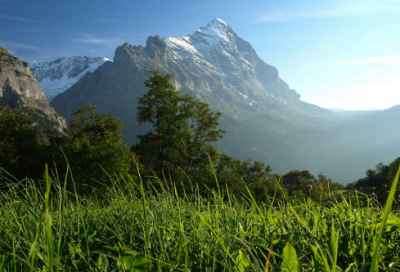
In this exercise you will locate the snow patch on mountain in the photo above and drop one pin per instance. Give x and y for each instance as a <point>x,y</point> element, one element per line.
<point>57,76</point>
<point>216,30</point>
<point>246,98</point>
<point>217,49</point>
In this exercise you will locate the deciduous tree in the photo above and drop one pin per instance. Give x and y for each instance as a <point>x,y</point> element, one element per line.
<point>182,129</point>
<point>20,146</point>
<point>94,148</point>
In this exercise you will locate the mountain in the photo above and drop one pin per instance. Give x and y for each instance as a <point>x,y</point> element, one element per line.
<point>57,76</point>
<point>213,64</point>
<point>19,89</point>
<point>264,118</point>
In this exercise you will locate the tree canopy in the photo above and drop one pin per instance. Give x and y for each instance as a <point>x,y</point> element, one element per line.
<point>94,148</point>
<point>20,146</point>
<point>182,129</point>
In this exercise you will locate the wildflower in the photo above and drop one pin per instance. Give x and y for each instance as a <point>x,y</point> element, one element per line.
<point>195,203</point>
<point>376,208</point>
<point>309,186</point>
<point>361,201</point>
<point>373,194</point>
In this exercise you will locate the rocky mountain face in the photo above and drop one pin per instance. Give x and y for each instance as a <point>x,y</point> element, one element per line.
<point>19,89</point>
<point>213,64</point>
<point>57,76</point>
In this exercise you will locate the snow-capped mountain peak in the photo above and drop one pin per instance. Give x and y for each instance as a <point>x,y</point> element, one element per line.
<point>214,63</point>
<point>216,28</point>
<point>217,50</point>
<point>57,76</point>
<point>205,46</point>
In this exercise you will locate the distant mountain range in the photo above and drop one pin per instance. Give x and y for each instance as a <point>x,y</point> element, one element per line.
<point>264,118</point>
<point>57,76</point>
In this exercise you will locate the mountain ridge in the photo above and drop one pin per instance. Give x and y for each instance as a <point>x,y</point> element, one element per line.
<point>57,76</point>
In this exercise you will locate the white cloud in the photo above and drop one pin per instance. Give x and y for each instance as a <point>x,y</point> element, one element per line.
<point>13,45</point>
<point>17,19</point>
<point>92,40</point>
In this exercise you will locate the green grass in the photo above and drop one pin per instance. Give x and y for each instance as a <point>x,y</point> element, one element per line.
<point>49,229</point>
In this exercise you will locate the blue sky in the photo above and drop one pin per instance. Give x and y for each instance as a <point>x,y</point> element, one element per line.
<point>336,54</point>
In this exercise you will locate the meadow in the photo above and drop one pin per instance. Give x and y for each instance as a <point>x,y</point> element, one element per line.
<point>133,227</point>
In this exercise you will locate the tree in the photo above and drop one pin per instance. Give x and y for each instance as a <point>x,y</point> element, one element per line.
<point>94,148</point>
<point>260,181</point>
<point>182,129</point>
<point>297,181</point>
<point>328,184</point>
<point>378,180</point>
<point>20,146</point>
<point>375,177</point>
<point>393,168</point>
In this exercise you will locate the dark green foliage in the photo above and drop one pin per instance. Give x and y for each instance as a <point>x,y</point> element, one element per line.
<point>382,174</point>
<point>297,182</point>
<point>302,184</point>
<point>20,147</point>
<point>328,184</point>
<point>93,145</point>
<point>182,130</point>
<point>94,148</point>
<point>253,174</point>
<point>393,166</point>
<point>377,180</point>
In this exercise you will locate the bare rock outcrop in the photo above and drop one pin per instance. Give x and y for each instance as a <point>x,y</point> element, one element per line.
<point>19,89</point>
